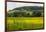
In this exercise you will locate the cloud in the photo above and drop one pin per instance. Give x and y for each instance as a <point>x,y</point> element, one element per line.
<point>11,5</point>
<point>28,0</point>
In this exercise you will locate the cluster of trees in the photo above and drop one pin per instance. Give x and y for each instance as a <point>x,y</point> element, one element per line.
<point>26,12</point>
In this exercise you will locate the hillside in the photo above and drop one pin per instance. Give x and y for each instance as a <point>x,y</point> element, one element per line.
<point>26,10</point>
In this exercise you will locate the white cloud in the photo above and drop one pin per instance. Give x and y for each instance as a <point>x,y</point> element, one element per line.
<point>29,0</point>
<point>11,5</point>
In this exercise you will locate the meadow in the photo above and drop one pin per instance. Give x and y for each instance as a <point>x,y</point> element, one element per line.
<point>24,23</point>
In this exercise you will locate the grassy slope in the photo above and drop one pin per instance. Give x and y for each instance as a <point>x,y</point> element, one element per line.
<point>22,23</point>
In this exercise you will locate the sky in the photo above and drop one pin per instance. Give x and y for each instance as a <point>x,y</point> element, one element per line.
<point>12,5</point>
<point>29,0</point>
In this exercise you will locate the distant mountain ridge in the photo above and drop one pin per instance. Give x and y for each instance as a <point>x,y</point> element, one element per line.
<point>29,8</point>
<point>26,11</point>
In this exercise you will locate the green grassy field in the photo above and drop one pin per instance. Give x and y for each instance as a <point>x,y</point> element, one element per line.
<point>24,23</point>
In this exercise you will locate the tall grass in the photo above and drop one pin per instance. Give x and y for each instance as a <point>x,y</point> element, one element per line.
<point>23,23</point>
